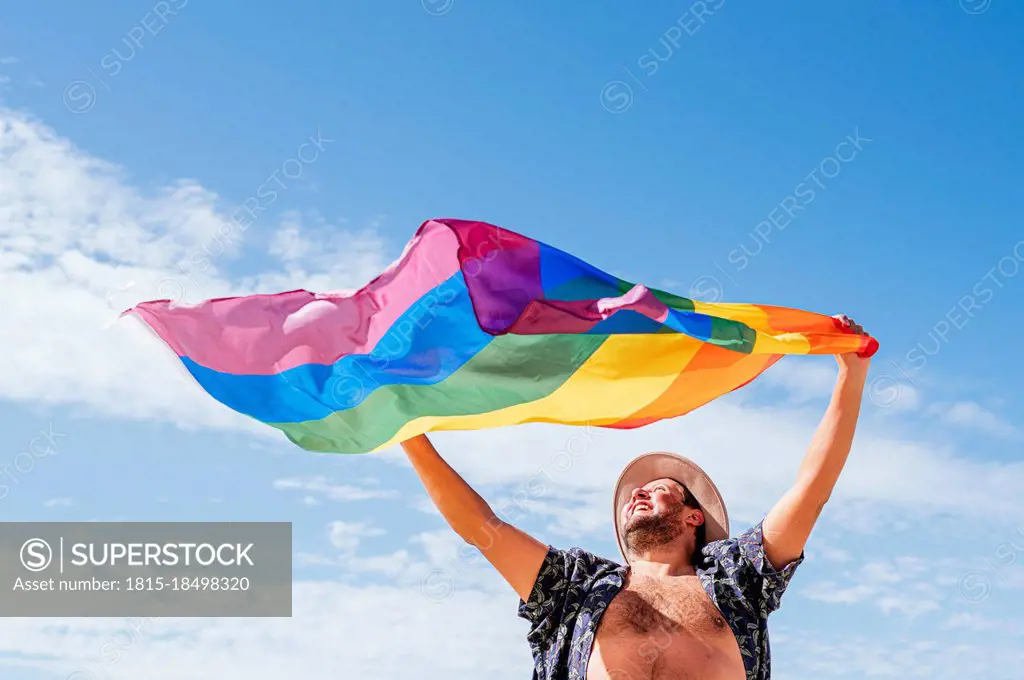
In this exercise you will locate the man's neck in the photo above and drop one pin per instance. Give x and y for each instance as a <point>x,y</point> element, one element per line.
<point>669,559</point>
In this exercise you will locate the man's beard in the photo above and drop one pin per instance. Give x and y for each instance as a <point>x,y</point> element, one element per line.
<point>651,531</point>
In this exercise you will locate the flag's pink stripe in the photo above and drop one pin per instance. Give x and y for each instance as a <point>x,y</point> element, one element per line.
<point>266,334</point>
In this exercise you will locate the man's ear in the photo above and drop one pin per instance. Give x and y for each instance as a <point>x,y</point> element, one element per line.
<point>695,516</point>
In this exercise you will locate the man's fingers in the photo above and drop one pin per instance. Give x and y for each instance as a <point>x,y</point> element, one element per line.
<point>851,324</point>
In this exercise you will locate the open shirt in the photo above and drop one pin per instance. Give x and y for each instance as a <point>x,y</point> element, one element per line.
<point>574,588</point>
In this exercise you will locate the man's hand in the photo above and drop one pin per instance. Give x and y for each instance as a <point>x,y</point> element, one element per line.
<point>851,361</point>
<point>788,525</point>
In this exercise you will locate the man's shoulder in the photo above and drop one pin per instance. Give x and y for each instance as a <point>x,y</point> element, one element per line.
<point>729,551</point>
<point>753,535</point>
<point>567,575</point>
<point>583,555</point>
<point>745,554</point>
<point>583,562</point>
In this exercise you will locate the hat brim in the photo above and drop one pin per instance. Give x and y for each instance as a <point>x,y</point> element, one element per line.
<point>662,464</point>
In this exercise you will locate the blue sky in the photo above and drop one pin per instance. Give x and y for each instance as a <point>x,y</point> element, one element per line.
<point>847,158</point>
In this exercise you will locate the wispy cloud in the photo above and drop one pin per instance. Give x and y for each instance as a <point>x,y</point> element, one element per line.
<point>971,415</point>
<point>345,536</point>
<point>88,244</point>
<point>803,380</point>
<point>902,585</point>
<point>967,621</point>
<point>320,485</point>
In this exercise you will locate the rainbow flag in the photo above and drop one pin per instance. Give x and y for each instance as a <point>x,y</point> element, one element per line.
<point>476,326</point>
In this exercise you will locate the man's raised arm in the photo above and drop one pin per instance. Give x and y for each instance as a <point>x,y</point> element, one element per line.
<point>516,555</point>
<point>788,525</point>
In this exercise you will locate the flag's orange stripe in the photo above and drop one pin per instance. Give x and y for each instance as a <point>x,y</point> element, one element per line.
<point>692,389</point>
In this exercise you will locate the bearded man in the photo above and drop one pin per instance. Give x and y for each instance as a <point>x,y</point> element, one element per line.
<point>690,601</point>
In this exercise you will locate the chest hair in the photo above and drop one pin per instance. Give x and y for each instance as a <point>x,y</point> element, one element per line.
<point>649,606</point>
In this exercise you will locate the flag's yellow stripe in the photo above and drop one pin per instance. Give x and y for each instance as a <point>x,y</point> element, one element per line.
<point>624,374</point>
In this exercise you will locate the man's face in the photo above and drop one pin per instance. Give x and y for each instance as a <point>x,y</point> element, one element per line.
<point>658,499</point>
<point>656,514</point>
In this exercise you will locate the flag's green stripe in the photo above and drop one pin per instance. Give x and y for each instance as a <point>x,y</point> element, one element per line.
<point>734,335</point>
<point>673,301</point>
<point>510,370</point>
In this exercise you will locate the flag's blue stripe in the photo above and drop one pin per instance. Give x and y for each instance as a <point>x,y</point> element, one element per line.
<point>429,342</point>
<point>565,277</point>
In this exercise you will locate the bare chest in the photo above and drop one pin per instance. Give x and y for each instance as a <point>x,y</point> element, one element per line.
<point>654,629</point>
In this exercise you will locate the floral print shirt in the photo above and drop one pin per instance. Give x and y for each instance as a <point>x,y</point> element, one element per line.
<point>574,588</point>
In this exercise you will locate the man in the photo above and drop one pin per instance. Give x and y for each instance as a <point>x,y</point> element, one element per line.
<point>690,602</point>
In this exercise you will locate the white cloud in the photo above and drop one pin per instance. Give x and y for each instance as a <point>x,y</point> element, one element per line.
<point>81,244</point>
<point>973,622</point>
<point>394,564</point>
<point>319,484</point>
<point>910,605</point>
<point>910,586</point>
<point>4,61</point>
<point>346,536</point>
<point>830,591</point>
<point>320,256</point>
<point>899,656</point>
<point>440,547</point>
<point>314,559</point>
<point>804,378</point>
<point>55,502</point>
<point>972,415</point>
<point>828,552</point>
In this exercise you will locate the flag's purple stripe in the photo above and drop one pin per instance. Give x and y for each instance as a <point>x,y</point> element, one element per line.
<point>502,274</point>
